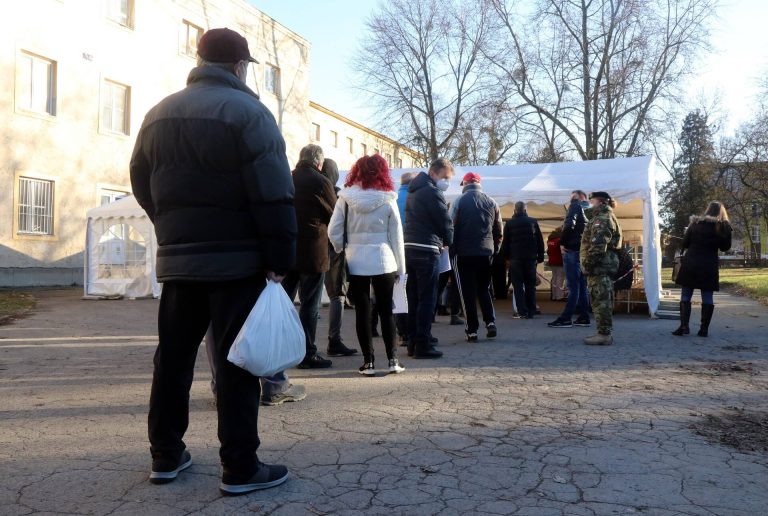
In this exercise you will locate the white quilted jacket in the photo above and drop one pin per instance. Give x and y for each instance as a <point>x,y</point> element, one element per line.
<point>374,231</point>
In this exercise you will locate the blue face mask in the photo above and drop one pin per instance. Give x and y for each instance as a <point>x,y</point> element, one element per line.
<point>443,184</point>
<point>584,204</point>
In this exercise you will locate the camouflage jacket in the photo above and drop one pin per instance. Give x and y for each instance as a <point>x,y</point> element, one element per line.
<point>601,237</point>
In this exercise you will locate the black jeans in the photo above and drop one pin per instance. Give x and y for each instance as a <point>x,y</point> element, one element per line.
<point>310,289</point>
<point>421,291</point>
<point>360,294</point>
<point>523,274</point>
<point>453,297</point>
<point>186,310</point>
<point>474,275</point>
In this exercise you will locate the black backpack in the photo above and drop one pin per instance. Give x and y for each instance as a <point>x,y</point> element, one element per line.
<point>624,277</point>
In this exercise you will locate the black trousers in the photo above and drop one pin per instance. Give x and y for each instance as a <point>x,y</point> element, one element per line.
<point>360,294</point>
<point>453,298</point>
<point>186,311</point>
<point>310,290</point>
<point>474,281</point>
<point>523,275</point>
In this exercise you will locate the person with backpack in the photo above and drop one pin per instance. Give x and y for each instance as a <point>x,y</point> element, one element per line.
<point>600,262</point>
<point>705,236</point>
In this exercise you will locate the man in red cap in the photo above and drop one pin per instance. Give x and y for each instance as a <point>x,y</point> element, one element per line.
<point>209,168</point>
<point>476,239</point>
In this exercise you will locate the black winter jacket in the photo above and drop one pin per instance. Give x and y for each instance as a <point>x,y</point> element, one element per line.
<point>315,200</point>
<point>427,224</point>
<point>476,223</point>
<point>522,239</point>
<point>573,226</point>
<point>701,264</point>
<point>209,168</point>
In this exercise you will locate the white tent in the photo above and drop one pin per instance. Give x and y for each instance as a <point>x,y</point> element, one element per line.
<point>120,249</point>
<point>547,188</point>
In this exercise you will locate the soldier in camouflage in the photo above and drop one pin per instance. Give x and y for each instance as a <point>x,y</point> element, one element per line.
<point>601,237</point>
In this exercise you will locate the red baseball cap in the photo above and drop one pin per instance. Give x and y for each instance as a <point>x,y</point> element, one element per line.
<point>470,177</point>
<point>224,46</point>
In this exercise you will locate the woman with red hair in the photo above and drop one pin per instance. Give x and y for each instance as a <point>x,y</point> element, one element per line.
<point>366,224</point>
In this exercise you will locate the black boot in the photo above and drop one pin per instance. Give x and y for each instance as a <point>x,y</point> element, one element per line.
<point>706,318</point>
<point>336,348</point>
<point>426,351</point>
<point>685,318</point>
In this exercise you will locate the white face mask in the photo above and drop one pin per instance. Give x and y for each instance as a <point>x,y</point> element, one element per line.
<point>443,184</point>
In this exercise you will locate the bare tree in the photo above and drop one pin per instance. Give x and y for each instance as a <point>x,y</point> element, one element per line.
<point>596,75</point>
<point>486,134</point>
<point>420,64</point>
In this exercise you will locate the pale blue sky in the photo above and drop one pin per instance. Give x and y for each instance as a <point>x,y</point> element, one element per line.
<point>334,28</point>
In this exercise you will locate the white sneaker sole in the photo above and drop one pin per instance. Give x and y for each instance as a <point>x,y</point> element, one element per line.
<point>367,372</point>
<point>396,370</point>
<point>163,477</point>
<point>249,488</point>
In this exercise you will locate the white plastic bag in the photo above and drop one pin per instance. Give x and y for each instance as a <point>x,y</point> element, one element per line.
<point>399,296</point>
<point>271,339</point>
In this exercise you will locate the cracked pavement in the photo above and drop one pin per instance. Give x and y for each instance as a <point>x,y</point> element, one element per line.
<point>533,423</point>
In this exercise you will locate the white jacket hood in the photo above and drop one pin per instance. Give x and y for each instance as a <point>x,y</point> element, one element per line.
<point>365,201</point>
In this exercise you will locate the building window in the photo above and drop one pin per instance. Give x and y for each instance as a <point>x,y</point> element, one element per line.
<point>190,36</point>
<point>109,196</point>
<point>363,149</point>
<point>335,139</point>
<point>272,80</point>
<point>376,151</point>
<point>37,84</point>
<point>399,162</point>
<point>388,157</point>
<point>35,216</point>
<point>115,106</point>
<point>314,135</point>
<point>351,145</point>
<point>120,11</point>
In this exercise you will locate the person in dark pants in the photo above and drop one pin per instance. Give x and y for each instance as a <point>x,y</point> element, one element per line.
<point>366,226</point>
<point>428,229</point>
<point>448,293</point>
<point>570,242</point>
<point>523,247</point>
<point>476,239</point>
<point>705,236</point>
<point>210,170</point>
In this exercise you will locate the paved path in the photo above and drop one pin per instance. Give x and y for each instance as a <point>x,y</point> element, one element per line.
<point>533,423</point>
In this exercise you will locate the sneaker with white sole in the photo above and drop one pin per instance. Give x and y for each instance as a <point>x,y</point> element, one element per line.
<point>367,369</point>
<point>164,472</point>
<point>395,367</point>
<point>266,476</point>
<point>471,336</point>
<point>292,394</point>
<point>490,330</point>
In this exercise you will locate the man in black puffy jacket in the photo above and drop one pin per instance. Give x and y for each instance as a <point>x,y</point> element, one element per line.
<point>209,168</point>
<point>428,229</point>
<point>523,246</point>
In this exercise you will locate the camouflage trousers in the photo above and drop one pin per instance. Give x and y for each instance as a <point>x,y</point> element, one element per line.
<point>601,295</point>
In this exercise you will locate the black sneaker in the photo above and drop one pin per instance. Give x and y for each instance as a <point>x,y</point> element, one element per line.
<point>163,472</point>
<point>336,348</point>
<point>457,321</point>
<point>314,362</point>
<point>367,369</point>
<point>584,323</point>
<point>560,323</point>
<point>427,352</point>
<point>266,476</point>
<point>490,330</point>
<point>471,336</point>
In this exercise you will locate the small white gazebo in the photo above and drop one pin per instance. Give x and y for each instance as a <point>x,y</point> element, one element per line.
<point>120,248</point>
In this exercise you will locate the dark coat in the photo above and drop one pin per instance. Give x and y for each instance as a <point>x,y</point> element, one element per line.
<point>314,200</point>
<point>573,226</point>
<point>700,263</point>
<point>476,223</point>
<point>427,224</point>
<point>209,168</point>
<point>522,239</point>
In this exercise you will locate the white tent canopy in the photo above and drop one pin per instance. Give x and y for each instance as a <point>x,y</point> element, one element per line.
<point>547,188</point>
<point>120,249</point>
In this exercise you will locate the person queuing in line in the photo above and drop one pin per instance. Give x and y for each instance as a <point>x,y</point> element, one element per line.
<point>570,241</point>
<point>210,170</point>
<point>366,226</point>
<point>428,229</point>
<point>602,236</point>
<point>555,263</point>
<point>335,281</point>
<point>700,266</point>
<point>523,247</point>
<point>401,320</point>
<point>476,239</point>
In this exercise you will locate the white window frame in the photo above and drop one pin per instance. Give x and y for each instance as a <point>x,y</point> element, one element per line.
<point>108,88</point>
<point>351,144</point>
<point>111,193</point>
<point>185,48</point>
<point>334,139</point>
<point>114,12</point>
<point>28,88</point>
<point>364,149</point>
<point>43,191</point>
<point>315,132</point>
<point>272,79</point>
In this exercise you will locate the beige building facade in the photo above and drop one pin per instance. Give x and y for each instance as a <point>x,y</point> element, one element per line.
<point>76,78</point>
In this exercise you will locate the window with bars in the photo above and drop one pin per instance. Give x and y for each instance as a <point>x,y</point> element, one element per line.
<point>37,84</point>
<point>272,79</point>
<point>191,34</point>
<point>115,104</point>
<point>35,207</point>
<point>120,11</point>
